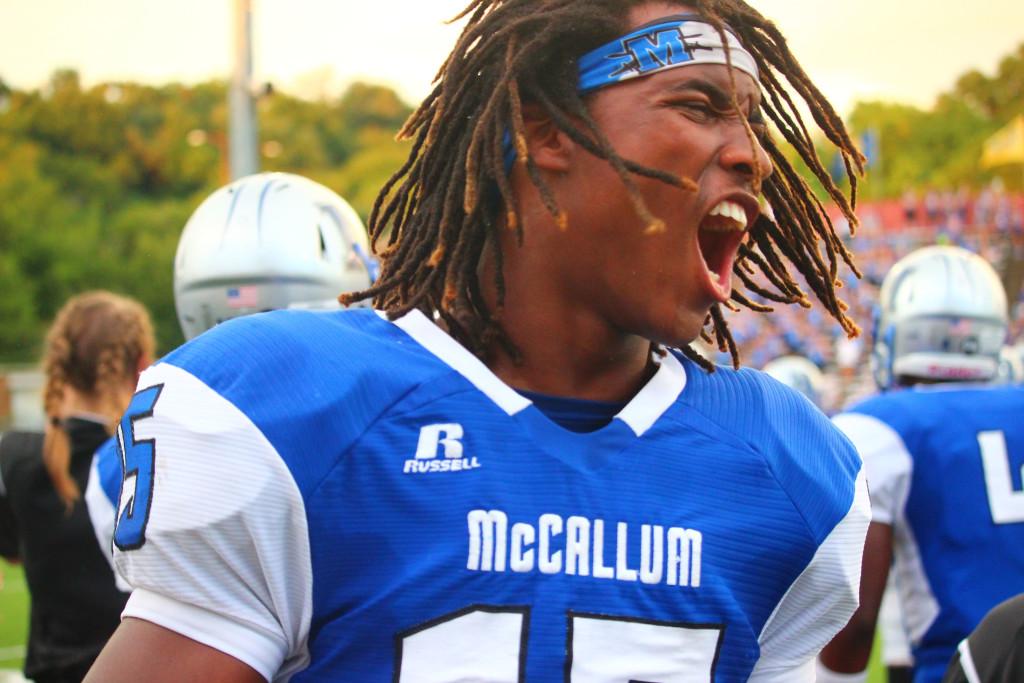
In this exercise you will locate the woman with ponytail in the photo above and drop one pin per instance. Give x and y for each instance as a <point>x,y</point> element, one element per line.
<point>95,349</point>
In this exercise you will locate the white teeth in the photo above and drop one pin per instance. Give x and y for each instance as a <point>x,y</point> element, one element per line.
<point>731,210</point>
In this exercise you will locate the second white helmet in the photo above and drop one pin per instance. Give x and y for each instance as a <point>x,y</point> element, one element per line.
<point>799,373</point>
<point>267,241</point>
<point>942,316</point>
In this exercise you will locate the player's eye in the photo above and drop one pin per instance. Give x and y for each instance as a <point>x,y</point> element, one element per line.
<point>697,109</point>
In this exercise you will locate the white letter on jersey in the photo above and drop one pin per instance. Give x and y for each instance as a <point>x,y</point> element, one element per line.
<point>651,562</point>
<point>492,528</point>
<point>548,562</point>
<point>577,545</point>
<point>431,437</point>
<point>622,570</point>
<point>683,557</point>
<point>522,535</point>
<point>601,571</point>
<point>1006,504</point>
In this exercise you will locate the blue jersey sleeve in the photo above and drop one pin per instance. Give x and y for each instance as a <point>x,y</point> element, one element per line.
<point>809,457</point>
<point>304,378</point>
<point>821,474</point>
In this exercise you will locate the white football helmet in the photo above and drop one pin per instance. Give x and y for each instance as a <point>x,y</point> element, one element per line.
<point>798,373</point>
<point>1011,365</point>
<point>267,241</point>
<point>941,316</point>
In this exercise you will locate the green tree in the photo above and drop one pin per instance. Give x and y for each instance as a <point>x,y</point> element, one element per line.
<point>96,183</point>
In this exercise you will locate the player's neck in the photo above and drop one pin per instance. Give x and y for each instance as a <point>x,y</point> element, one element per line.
<point>560,364</point>
<point>565,350</point>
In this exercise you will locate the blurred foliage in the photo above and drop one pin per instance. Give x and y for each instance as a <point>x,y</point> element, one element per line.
<point>97,182</point>
<point>940,147</point>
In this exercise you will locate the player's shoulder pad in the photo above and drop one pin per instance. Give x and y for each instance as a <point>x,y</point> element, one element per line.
<point>312,382</point>
<point>811,459</point>
<point>302,349</point>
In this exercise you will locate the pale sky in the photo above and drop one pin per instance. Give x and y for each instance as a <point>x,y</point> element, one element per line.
<point>898,50</point>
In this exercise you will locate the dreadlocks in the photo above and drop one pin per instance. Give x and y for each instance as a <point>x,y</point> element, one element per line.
<point>444,206</point>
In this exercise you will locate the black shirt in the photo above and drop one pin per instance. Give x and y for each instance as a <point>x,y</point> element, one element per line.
<point>996,648</point>
<point>75,604</point>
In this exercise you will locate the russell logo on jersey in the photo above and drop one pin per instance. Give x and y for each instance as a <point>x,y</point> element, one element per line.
<point>437,440</point>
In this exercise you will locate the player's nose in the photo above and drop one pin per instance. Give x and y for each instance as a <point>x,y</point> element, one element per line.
<point>744,155</point>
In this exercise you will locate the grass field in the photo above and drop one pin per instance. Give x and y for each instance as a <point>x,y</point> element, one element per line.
<point>14,622</point>
<point>13,616</point>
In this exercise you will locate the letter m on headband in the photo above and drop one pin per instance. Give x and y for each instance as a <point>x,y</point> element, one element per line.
<point>658,49</point>
<point>665,44</point>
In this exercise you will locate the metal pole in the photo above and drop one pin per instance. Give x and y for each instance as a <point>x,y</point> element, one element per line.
<point>242,129</point>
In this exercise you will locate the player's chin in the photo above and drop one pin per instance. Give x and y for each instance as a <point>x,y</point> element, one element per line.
<point>679,329</point>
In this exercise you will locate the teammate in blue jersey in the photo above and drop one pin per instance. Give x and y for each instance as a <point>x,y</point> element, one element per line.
<point>943,456</point>
<point>517,469</point>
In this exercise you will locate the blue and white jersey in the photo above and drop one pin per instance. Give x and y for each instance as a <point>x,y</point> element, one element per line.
<point>333,496</point>
<point>101,493</point>
<point>944,466</point>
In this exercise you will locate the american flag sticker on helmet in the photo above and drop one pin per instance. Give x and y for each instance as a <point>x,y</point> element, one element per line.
<point>243,297</point>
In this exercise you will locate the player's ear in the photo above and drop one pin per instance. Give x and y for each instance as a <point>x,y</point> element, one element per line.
<point>550,148</point>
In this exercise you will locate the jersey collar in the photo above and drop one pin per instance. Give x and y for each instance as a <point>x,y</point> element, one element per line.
<point>642,411</point>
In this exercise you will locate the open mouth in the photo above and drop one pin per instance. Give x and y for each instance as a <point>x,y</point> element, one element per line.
<point>719,236</point>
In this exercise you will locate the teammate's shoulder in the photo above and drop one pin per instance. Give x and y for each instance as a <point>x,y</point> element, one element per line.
<point>926,407</point>
<point>885,406</point>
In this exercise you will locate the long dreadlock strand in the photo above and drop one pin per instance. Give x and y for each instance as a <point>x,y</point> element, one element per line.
<point>787,291</point>
<point>759,172</point>
<point>742,299</point>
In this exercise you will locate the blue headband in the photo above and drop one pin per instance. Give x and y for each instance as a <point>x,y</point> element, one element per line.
<point>667,43</point>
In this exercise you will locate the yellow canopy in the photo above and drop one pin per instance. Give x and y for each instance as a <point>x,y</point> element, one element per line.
<point>1006,146</point>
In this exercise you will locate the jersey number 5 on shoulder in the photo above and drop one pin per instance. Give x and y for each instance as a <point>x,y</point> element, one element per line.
<point>138,457</point>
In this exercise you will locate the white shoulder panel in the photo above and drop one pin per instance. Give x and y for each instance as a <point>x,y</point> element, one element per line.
<point>917,600</point>
<point>892,629</point>
<point>819,603</point>
<point>101,514</point>
<point>226,556</point>
<point>889,467</point>
<point>886,460</point>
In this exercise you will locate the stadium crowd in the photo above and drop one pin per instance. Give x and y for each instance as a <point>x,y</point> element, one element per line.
<point>990,223</point>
